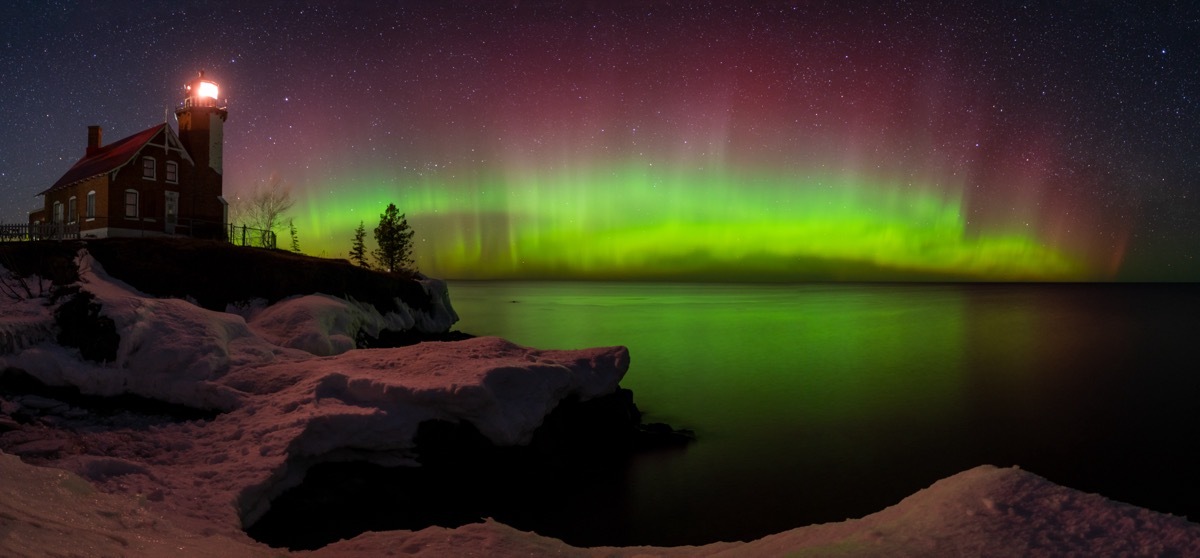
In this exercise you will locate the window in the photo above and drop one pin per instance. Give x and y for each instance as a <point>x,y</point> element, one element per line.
<point>172,172</point>
<point>131,204</point>
<point>72,210</point>
<point>148,168</point>
<point>58,213</point>
<point>90,205</point>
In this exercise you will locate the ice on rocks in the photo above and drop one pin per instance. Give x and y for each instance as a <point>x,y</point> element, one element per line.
<point>317,324</point>
<point>325,325</point>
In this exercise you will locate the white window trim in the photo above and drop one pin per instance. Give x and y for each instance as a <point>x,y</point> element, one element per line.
<point>153,168</point>
<point>167,176</point>
<point>72,216</point>
<point>89,213</point>
<point>57,215</point>
<point>137,203</point>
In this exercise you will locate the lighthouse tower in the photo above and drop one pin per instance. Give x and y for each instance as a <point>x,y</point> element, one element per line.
<point>201,118</point>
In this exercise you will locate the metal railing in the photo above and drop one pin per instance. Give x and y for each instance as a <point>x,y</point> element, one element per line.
<point>247,236</point>
<point>38,231</point>
<point>239,235</point>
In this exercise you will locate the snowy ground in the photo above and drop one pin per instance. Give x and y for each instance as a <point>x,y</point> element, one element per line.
<point>288,390</point>
<point>981,512</point>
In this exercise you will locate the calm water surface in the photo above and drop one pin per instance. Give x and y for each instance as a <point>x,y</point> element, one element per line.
<point>814,403</point>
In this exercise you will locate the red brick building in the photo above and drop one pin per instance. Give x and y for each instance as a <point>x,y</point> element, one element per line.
<point>153,182</point>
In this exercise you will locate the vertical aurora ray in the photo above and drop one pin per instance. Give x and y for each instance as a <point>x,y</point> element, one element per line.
<point>638,220</point>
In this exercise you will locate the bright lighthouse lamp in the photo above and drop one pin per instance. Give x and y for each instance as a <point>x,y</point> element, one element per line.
<point>206,89</point>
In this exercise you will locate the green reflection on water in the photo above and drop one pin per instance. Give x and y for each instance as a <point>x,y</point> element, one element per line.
<point>817,402</point>
<point>734,360</point>
<point>776,380</point>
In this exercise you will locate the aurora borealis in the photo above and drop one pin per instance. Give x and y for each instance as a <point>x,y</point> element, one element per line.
<point>633,221</point>
<point>715,140</point>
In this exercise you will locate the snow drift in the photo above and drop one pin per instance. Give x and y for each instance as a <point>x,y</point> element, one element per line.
<point>985,511</point>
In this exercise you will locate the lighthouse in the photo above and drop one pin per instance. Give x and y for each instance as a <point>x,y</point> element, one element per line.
<point>152,182</point>
<point>201,118</point>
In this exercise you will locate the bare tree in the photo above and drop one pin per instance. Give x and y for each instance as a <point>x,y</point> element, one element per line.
<point>264,207</point>
<point>17,288</point>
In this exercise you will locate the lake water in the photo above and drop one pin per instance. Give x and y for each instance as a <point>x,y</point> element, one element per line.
<point>814,403</point>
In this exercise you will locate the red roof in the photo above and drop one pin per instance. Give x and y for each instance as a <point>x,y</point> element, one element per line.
<point>106,159</point>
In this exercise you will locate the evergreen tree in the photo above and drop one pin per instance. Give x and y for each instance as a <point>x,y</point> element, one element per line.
<point>358,249</point>
<point>295,238</point>
<point>394,240</point>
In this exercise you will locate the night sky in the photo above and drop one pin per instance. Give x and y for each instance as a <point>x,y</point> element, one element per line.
<point>706,140</point>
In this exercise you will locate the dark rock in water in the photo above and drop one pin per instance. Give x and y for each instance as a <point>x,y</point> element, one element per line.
<point>660,435</point>
<point>606,428</point>
<point>576,464</point>
<point>607,424</point>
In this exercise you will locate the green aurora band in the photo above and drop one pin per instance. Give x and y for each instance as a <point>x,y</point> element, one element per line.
<point>641,221</point>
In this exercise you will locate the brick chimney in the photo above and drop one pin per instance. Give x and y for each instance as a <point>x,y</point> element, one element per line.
<point>94,135</point>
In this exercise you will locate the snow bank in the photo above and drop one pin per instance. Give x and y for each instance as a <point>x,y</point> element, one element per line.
<point>985,511</point>
<point>363,404</point>
<point>175,351</point>
<point>323,325</point>
<point>170,349</point>
<point>51,512</point>
<point>285,408</point>
<point>988,511</point>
